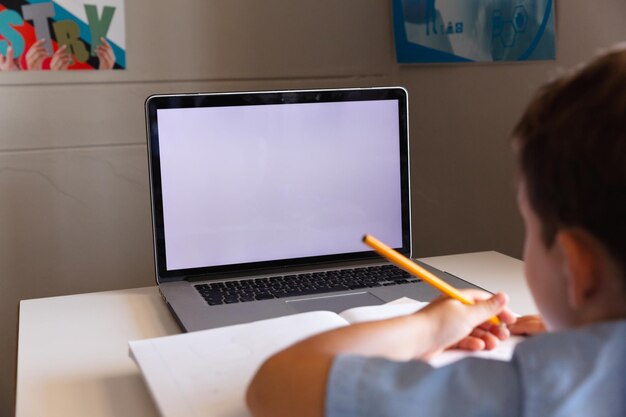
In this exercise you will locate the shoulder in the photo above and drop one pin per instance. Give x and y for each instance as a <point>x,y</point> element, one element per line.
<point>604,338</point>
<point>577,372</point>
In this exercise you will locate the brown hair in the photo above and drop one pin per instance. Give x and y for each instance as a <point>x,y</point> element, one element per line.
<point>571,152</point>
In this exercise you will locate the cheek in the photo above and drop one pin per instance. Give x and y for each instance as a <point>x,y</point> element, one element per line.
<point>533,271</point>
<point>544,281</point>
<point>538,272</point>
<point>532,259</point>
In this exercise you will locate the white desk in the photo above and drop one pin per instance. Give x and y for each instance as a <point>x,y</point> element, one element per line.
<point>73,350</point>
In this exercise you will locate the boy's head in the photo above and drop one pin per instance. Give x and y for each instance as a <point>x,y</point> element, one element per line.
<point>571,151</point>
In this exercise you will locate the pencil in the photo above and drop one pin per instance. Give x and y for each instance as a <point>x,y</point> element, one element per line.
<point>412,268</point>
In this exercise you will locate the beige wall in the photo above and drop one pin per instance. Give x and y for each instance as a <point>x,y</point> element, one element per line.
<point>74,199</point>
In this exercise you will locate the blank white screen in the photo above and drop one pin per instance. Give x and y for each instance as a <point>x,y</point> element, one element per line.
<point>266,182</point>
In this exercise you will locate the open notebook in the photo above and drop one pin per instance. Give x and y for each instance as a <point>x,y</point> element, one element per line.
<point>207,372</point>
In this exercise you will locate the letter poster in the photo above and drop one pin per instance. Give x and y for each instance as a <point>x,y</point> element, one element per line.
<point>42,35</point>
<point>438,31</point>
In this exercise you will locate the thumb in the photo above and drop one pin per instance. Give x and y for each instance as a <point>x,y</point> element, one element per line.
<point>483,310</point>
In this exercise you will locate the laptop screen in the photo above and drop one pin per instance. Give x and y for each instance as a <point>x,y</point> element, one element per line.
<point>249,183</point>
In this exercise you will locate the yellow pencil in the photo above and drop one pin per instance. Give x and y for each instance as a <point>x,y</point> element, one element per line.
<point>412,268</point>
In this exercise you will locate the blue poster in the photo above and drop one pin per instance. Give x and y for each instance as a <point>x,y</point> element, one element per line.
<point>436,31</point>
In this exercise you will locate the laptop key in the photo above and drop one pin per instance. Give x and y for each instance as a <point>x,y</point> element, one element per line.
<point>357,286</point>
<point>264,296</point>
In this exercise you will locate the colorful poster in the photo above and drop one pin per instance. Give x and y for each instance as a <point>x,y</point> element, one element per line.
<point>473,30</point>
<point>62,35</point>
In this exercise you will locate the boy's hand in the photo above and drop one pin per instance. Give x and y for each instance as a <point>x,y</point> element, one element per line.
<point>456,325</point>
<point>528,325</point>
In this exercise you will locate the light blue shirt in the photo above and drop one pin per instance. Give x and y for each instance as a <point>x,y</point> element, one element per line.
<point>575,373</point>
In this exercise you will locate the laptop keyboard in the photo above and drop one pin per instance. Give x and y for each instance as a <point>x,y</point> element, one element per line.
<point>230,292</point>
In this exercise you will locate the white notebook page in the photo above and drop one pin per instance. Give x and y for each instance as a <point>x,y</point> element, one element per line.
<point>206,373</point>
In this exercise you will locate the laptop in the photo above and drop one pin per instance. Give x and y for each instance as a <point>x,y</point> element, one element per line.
<point>260,201</point>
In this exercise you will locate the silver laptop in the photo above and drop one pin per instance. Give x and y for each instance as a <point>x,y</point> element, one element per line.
<point>260,201</point>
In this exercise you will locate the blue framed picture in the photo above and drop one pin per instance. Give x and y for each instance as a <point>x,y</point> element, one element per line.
<point>438,31</point>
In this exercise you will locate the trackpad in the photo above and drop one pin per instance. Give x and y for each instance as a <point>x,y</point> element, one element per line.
<point>336,303</point>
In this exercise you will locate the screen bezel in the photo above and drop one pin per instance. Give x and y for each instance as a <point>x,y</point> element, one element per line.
<point>157,102</point>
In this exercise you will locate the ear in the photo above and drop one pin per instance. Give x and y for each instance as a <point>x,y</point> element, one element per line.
<point>580,265</point>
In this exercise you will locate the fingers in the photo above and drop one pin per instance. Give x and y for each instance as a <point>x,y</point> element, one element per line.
<point>105,55</point>
<point>61,59</point>
<point>106,62</point>
<point>478,340</point>
<point>506,316</point>
<point>7,63</point>
<point>483,310</point>
<point>63,62</point>
<point>489,339</point>
<point>61,51</point>
<point>470,343</point>
<point>35,55</point>
<point>528,325</point>
<point>483,339</point>
<point>37,47</point>
<point>501,332</point>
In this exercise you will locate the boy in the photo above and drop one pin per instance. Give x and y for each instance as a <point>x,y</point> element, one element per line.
<point>571,150</point>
